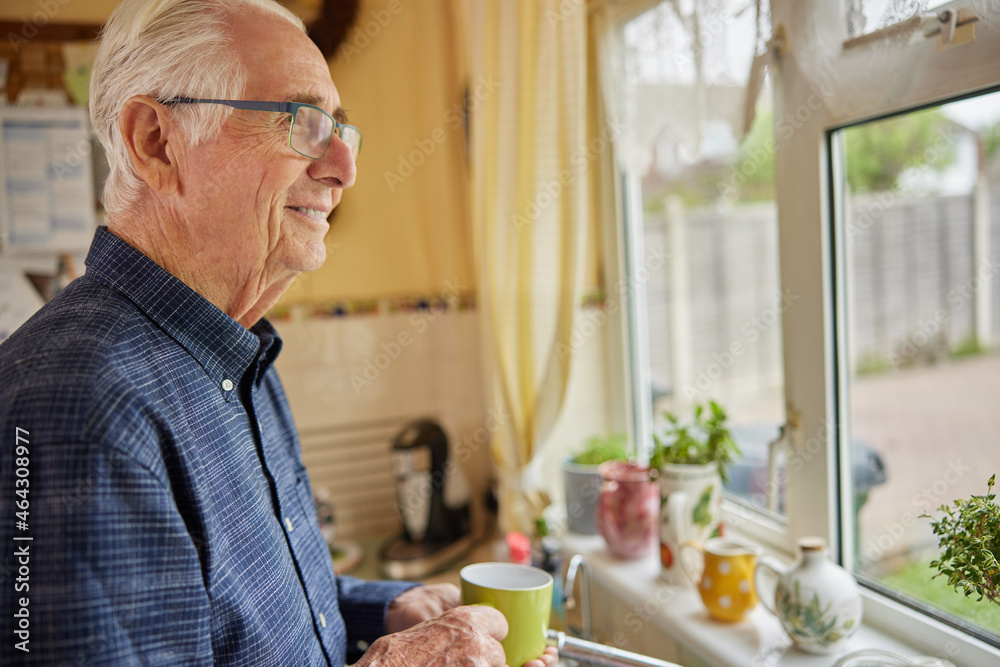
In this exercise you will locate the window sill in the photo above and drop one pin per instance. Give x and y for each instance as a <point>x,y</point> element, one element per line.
<point>658,615</point>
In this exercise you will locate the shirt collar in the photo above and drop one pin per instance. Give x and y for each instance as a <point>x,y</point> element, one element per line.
<point>220,344</point>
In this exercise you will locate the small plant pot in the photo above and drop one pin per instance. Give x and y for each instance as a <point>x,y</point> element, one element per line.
<point>582,485</point>
<point>690,509</point>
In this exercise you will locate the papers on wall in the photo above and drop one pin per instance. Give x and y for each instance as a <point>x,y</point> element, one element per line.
<point>46,181</point>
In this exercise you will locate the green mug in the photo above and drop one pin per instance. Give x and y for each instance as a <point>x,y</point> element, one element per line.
<point>523,594</point>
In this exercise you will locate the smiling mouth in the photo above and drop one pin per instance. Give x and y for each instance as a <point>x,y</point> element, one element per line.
<point>311,212</point>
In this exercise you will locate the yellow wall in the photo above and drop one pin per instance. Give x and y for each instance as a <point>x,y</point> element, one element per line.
<point>57,11</point>
<point>404,228</point>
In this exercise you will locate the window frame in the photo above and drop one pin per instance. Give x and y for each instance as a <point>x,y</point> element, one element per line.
<point>814,331</point>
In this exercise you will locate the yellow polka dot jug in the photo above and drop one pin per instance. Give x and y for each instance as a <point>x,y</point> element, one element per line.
<point>726,578</point>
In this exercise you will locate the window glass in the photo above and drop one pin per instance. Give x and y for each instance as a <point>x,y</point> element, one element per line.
<point>920,218</point>
<point>714,311</point>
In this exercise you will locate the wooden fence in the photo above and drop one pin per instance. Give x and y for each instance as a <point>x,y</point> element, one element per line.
<point>923,283</point>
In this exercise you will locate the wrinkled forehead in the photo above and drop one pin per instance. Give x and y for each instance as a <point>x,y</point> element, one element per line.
<point>281,63</point>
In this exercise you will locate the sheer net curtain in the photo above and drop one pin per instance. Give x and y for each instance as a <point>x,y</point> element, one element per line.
<point>675,74</point>
<point>530,217</point>
<point>849,51</point>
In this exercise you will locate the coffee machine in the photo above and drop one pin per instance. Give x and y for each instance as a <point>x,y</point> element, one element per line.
<point>433,504</point>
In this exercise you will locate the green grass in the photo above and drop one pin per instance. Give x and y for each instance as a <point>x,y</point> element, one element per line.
<point>873,364</point>
<point>915,580</point>
<point>969,347</point>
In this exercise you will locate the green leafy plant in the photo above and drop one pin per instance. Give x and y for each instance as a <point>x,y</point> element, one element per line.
<point>601,448</point>
<point>969,538</point>
<point>705,439</point>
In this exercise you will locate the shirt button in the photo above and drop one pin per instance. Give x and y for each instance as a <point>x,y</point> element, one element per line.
<point>227,385</point>
<point>288,522</point>
<point>322,620</point>
<point>362,645</point>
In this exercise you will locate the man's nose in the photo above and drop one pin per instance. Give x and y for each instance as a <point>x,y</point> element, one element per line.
<point>336,165</point>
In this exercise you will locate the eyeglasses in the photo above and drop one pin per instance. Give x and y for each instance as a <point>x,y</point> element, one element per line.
<point>311,127</point>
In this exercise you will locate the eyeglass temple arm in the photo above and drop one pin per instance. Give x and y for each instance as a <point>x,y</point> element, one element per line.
<point>285,107</point>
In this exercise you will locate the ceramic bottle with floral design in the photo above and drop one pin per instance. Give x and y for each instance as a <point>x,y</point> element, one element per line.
<point>817,601</point>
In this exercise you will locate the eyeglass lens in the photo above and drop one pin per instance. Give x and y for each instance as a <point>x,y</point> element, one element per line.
<point>311,133</point>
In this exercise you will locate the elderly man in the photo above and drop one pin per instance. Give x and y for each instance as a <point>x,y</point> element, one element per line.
<point>156,509</point>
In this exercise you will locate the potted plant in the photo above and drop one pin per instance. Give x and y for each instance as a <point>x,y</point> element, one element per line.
<point>705,440</point>
<point>969,538</point>
<point>582,481</point>
<point>691,459</point>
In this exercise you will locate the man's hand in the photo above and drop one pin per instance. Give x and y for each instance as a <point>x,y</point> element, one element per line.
<point>467,636</point>
<point>425,603</point>
<point>421,604</point>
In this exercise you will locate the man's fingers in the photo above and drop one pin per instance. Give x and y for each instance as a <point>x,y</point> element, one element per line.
<point>485,618</point>
<point>550,657</point>
<point>449,594</point>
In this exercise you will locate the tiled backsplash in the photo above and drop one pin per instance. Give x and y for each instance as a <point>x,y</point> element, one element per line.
<point>354,380</point>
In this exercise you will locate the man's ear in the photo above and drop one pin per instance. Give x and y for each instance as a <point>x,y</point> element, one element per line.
<point>146,126</point>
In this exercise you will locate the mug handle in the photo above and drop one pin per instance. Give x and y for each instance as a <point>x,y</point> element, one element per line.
<point>777,569</point>
<point>691,544</point>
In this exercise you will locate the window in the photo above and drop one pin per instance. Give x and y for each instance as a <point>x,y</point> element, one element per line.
<point>865,248</point>
<point>919,222</point>
<point>713,313</point>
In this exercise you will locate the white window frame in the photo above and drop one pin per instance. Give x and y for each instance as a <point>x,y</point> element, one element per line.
<point>813,330</point>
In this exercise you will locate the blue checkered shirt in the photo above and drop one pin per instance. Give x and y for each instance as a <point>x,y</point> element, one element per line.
<point>170,516</point>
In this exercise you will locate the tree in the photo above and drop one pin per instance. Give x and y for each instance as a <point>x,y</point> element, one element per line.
<point>879,152</point>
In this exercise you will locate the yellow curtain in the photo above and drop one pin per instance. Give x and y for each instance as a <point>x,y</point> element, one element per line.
<point>530,173</point>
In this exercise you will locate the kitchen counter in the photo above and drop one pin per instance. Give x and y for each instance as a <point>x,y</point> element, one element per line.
<point>633,609</point>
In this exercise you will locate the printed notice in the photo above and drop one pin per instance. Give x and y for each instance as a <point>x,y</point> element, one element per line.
<point>46,179</point>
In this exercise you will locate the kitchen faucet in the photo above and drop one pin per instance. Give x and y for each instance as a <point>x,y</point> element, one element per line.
<point>581,649</point>
<point>579,564</point>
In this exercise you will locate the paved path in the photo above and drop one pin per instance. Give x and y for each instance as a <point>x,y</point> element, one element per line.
<point>937,429</point>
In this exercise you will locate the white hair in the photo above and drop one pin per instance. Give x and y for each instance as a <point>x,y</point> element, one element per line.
<point>166,49</point>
